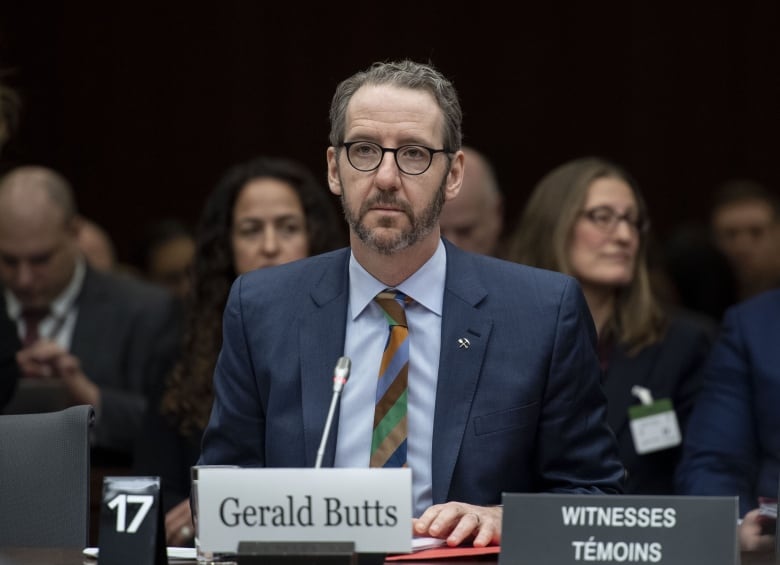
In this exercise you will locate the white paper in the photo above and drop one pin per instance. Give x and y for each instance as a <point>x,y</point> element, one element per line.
<point>418,544</point>
<point>173,552</point>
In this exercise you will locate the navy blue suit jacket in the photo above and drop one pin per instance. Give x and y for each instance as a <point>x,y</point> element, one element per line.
<point>733,444</point>
<point>520,410</point>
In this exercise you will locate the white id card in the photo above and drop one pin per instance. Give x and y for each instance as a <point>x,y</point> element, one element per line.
<point>654,426</point>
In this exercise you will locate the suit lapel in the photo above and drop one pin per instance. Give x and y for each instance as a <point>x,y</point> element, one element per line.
<point>322,335</point>
<point>93,306</point>
<point>464,337</point>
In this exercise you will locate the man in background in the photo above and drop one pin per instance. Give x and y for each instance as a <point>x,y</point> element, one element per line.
<point>10,111</point>
<point>9,341</point>
<point>475,219</point>
<point>745,222</point>
<point>732,447</point>
<point>96,245</point>
<point>106,339</point>
<point>9,370</point>
<point>165,255</point>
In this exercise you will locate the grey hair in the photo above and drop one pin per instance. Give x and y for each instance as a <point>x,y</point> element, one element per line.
<point>406,74</point>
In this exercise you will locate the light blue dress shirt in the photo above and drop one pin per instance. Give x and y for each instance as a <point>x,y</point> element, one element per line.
<point>366,335</point>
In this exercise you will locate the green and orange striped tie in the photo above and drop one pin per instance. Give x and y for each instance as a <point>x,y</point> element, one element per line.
<point>388,443</point>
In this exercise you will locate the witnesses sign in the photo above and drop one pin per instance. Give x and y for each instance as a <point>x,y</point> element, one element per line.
<point>562,529</point>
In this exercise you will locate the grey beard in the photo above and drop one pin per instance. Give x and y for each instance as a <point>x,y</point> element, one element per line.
<point>421,226</point>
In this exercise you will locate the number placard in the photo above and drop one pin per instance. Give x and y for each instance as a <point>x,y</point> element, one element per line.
<point>131,522</point>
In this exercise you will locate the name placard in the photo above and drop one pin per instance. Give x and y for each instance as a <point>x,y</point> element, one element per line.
<point>564,529</point>
<point>370,507</point>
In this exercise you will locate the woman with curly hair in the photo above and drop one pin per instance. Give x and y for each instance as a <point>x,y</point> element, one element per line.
<point>264,212</point>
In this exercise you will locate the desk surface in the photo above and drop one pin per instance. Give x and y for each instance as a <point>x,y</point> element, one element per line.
<point>58,556</point>
<point>35,556</point>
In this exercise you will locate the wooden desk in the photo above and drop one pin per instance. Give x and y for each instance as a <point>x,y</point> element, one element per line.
<point>35,556</point>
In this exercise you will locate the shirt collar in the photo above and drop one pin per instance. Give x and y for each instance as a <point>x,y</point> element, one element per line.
<point>425,286</point>
<point>60,305</point>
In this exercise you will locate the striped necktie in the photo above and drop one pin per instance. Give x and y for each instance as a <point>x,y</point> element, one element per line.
<point>388,443</point>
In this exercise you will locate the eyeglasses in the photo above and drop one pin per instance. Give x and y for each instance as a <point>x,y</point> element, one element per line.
<point>411,159</point>
<point>606,219</point>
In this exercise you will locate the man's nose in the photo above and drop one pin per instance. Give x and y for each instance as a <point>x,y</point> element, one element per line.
<point>24,275</point>
<point>387,172</point>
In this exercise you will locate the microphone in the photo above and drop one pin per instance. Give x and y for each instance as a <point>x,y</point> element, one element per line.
<point>340,376</point>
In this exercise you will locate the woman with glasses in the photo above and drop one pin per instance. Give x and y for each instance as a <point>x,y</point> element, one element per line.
<point>587,218</point>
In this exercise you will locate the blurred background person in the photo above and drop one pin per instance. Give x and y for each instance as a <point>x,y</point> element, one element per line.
<point>89,337</point>
<point>166,254</point>
<point>587,218</point>
<point>733,446</point>
<point>697,274</point>
<point>10,110</point>
<point>9,370</point>
<point>9,340</point>
<point>105,338</point>
<point>263,212</point>
<point>745,222</point>
<point>10,114</point>
<point>96,245</point>
<point>474,220</point>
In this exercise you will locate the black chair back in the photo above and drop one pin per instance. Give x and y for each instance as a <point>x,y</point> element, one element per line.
<point>44,478</point>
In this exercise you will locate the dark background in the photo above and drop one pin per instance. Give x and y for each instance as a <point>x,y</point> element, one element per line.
<point>143,107</point>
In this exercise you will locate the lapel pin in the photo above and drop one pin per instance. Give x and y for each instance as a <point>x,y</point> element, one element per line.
<point>463,343</point>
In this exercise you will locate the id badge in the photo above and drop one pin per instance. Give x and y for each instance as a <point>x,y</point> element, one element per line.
<point>654,426</point>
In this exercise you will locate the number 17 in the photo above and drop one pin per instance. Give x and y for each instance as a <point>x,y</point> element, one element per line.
<point>120,503</point>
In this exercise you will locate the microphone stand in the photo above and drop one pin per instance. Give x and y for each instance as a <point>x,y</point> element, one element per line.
<point>341,374</point>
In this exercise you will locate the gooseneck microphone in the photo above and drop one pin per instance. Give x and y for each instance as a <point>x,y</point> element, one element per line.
<point>340,376</point>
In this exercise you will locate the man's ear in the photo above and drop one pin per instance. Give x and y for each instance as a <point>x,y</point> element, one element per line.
<point>454,176</point>
<point>334,181</point>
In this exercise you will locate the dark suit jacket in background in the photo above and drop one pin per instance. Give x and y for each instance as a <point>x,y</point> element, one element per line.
<point>520,410</point>
<point>126,337</point>
<point>9,370</point>
<point>671,368</point>
<point>733,441</point>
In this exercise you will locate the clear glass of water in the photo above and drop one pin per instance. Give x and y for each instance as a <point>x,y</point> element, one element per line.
<point>203,556</point>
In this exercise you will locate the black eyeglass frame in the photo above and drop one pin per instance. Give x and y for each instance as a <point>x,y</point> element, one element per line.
<point>394,151</point>
<point>641,225</point>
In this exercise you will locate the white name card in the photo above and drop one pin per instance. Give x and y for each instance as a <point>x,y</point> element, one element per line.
<point>370,507</point>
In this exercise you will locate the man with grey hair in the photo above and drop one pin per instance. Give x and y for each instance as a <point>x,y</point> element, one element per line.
<point>480,375</point>
<point>106,339</point>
